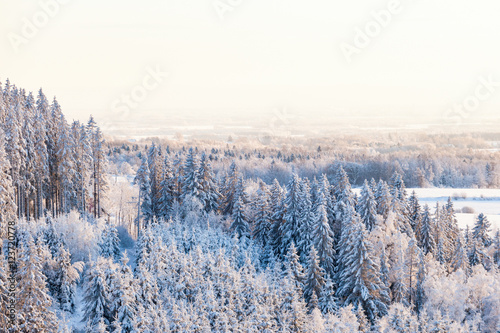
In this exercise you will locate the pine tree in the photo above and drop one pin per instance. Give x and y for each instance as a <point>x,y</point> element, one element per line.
<point>426,232</point>
<point>209,195</point>
<point>191,184</point>
<point>167,190</point>
<point>383,197</point>
<point>33,302</point>
<point>110,243</point>
<point>344,199</point>
<point>415,212</point>
<point>359,282</point>
<point>323,240</point>
<point>67,276</point>
<point>66,166</point>
<point>420,290</point>
<point>289,230</point>
<point>315,277</point>
<point>7,200</point>
<point>142,179</point>
<point>155,165</point>
<point>229,189</point>
<point>327,298</point>
<point>99,162</point>
<point>240,224</point>
<point>399,288</point>
<point>306,220</point>
<point>411,265</point>
<point>4,290</point>
<point>481,231</point>
<point>459,259</point>
<point>277,214</point>
<point>97,303</point>
<point>293,267</point>
<point>367,207</point>
<point>124,293</point>
<point>262,224</point>
<point>496,247</point>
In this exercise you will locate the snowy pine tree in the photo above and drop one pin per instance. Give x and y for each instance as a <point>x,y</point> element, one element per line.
<point>323,240</point>
<point>367,207</point>
<point>359,282</point>
<point>426,232</point>
<point>110,243</point>
<point>33,301</point>
<point>97,303</point>
<point>240,224</point>
<point>481,230</point>
<point>315,277</point>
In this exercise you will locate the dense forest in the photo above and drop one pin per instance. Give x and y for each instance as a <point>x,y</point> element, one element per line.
<point>233,239</point>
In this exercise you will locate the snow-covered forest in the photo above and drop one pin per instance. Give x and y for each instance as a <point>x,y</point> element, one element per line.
<point>170,236</point>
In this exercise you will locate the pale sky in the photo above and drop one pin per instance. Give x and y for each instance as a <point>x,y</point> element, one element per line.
<point>261,54</point>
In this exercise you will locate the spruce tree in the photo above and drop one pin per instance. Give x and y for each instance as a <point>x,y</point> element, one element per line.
<point>110,243</point>
<point>426,232</point>
<point>240,224</point>
<point>262,224</point>
<point>33,301</point>
<point>367,207</point>
<point>481,231</point>
<point>315,277</point>
<point>97,302</point>
<point>359,282</point>
<point>323,240</point>
<point>289,230</point>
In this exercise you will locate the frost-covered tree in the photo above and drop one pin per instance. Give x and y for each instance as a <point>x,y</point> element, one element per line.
<point>145,201</point>
<point>110,243</point>
<point>96,299</point>
<point>415,212</point>
<point>481,230</point>
<point>367,207</point>
<point>426,232</point>
<point>209,191</point>
<point>124,295</point>
<point>289,229</point>
<point>167,189</point>
<point>420,297</point>
<point>496,248</point>
<point>344,197</point>
<point>33,301</point>
<point>262,219</point>
<point>4,300</point>
<point>278,212</point>
<point>191,182</point>
<point>7,200</point>
<point>240,224</point>
<point>293,267</point>
<point>67,275</point>
<point>315,277</point>
<point>229,188</point>
<point>327,298</point>
<point>459,259</point>
<point>359,279</point>
<point>307,219</point>
<point>323,240</point>
<point>383,197</point>
<point>99,162</point>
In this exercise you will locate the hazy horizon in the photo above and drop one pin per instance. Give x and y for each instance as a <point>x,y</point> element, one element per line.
<point>239,63</point>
